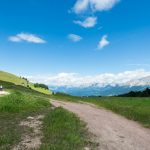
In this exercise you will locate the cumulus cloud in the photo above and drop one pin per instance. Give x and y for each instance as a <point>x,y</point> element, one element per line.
<point>87,23</point>
<point>27,38</point>
<point>81,5</point>
<point>94,5</point>
<point>103,42</point>
<point>74,37</point>
<point>101,80</point>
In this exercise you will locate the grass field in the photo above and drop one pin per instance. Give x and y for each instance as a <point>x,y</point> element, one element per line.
<point>14,108</point>
<point>64,131</point>
<point>61,129</point>
<point>137,109</point>
<point>8,77</point>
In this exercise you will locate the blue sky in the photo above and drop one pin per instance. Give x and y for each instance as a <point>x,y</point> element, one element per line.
<point>51,36</point>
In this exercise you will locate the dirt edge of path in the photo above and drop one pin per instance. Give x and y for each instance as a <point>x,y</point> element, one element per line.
<point>31,139</point>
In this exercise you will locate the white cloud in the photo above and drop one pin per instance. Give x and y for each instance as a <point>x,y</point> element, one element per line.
<point>103,42</point>
<point>26,37</point>
<point>101,5</point>
<point>88,22</point>
<point>101,80</point>
<point>81,5</point>
<point>94,5</point>
<point>74,37</point>
<point>14,39</point>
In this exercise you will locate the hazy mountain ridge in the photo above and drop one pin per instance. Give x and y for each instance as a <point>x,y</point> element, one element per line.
<point>140,82</point>
<point>107,90</point>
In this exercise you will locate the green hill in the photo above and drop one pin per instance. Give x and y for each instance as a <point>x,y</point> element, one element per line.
<point>24,102</point>
<point>8,77</point>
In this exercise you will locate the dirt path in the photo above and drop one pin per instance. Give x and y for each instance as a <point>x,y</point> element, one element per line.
<point>33,135</point>
<point>113,132</point>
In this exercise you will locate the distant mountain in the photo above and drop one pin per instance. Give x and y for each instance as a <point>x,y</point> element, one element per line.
<point>108,90</point>
<point>97,91</point>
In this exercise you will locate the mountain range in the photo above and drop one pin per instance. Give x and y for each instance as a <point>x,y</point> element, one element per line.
<point>107,90</point>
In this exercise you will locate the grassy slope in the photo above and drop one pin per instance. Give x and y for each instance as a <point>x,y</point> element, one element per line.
<point>24,102</point>
<point>4,76</point>
<point>137,109</point>
<point>40,89</point>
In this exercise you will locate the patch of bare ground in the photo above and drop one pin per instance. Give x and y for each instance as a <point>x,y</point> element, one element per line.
<point>2,93</point>
<point>33,134</point>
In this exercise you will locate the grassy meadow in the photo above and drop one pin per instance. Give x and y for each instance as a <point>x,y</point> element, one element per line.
<point>8,77</point>
<point>21,103</point>
<point>137,109</point>
<point>61,129</point>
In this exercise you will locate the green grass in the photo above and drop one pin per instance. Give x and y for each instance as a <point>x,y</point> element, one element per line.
<point>137,109</point>
<point>64,131</point>
<point>61,129</point>
<point>14,108</point>
<point>8,77</point>
<point>41,90</point>
<point>8,86</point>
<point>19,102</point>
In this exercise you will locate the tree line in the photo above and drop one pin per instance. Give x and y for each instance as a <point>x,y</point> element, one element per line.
<point>145,93</point>
<point>39,85</point>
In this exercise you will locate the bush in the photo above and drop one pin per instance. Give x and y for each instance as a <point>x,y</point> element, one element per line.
<point>41,86</point>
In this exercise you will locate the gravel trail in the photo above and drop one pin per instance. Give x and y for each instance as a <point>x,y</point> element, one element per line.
<point>112,131</point>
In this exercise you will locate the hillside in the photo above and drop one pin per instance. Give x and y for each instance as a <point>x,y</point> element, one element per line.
<point>8,77</point>
<point>27,117</point>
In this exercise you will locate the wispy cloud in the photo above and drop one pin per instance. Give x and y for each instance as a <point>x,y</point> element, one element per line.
<point>27,37</point>
<point>90,7</point>
<point>86,7</point>
<point>74,37</point>
<point>87,23</point>
<point>104,79</point>
<point>93,5</point>
<point>103,42</point>
<point>80,6</point>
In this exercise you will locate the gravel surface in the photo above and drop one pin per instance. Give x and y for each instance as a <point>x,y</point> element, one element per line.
<point>113,131</point>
